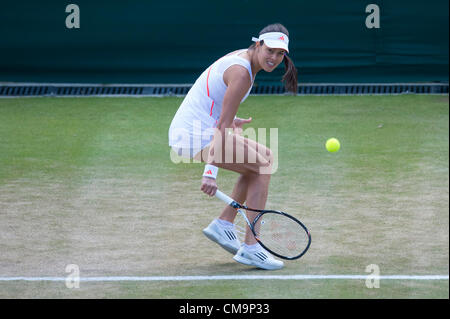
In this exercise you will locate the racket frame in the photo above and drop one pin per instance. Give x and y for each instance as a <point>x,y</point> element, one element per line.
<point>240,209</point>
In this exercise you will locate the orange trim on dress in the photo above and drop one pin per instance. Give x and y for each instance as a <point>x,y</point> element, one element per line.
<point>207,91</point>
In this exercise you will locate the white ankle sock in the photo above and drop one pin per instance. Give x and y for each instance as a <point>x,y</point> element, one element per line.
<point>253,247</point>
<point>224,223</point>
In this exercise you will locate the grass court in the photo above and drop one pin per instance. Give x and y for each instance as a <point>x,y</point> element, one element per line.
<point>89,181</point>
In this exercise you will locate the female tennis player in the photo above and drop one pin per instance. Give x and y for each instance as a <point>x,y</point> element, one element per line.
<point>206,128</point>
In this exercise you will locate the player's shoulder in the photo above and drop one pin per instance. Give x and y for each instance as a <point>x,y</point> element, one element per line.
<point>237,73</point>
<point>232,53</point>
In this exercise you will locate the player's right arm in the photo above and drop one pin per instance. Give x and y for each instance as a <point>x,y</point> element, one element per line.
<point>238,83</point>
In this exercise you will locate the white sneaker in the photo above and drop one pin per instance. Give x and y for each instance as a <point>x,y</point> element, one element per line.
<point>259,258</point>
<point>224,236</point>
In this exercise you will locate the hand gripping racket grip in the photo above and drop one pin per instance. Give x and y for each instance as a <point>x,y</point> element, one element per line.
<point>227,199</point>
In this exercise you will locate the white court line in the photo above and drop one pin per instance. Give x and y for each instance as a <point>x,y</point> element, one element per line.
<point>230,277</point>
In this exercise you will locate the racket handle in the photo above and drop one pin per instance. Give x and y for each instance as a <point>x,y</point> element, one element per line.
<point>227,199</point>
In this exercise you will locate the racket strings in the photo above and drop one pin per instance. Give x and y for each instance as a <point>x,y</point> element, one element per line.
<point>240,227</point>
<point>277,232</point>
<point>282,235</point>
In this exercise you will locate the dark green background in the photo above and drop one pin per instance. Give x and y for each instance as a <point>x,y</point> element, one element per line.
<point>141,41</point>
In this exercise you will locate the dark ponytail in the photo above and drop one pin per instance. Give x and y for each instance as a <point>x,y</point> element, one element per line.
<point>290,77</point>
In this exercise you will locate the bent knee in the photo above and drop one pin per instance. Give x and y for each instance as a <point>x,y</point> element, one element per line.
<point>270,156</point>
<point>262,167</point>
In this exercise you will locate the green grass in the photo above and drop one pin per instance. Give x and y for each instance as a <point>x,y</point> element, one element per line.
<point>311,289</point>
<point>90,181</point>
<point>58,136</point>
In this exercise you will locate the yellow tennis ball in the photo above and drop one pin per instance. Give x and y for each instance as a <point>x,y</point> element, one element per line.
<point>333,145</point>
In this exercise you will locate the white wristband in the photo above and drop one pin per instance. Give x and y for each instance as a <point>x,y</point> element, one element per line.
<point>210,171</point>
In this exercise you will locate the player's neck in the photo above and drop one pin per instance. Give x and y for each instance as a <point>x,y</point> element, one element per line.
<point>256,67</point>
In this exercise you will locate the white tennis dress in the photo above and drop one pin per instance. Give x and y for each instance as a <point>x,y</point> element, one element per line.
<point>193,125</point>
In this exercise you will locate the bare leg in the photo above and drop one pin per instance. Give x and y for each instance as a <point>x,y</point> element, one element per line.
<point>256,198</point>
<point>239,194</point>
<point>255,182</point>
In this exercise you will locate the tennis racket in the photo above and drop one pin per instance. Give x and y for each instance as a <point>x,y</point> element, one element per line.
<point>279,233</point>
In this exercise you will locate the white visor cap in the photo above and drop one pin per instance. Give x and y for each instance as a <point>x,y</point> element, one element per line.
<point>277,40</point>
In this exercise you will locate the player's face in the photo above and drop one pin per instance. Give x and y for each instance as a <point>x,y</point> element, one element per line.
<point>270,58</point>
